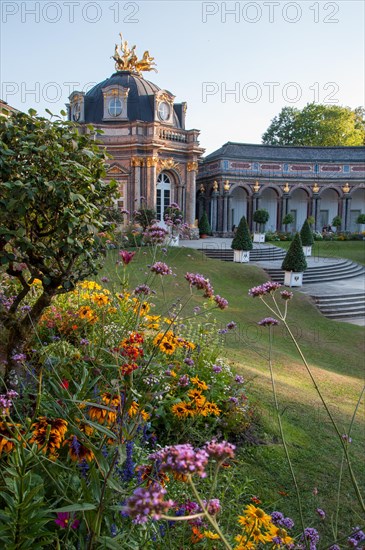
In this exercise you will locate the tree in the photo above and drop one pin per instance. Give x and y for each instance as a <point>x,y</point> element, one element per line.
<point>242,239</point>
<point>261,217</point>
<point>360,219</point>
<point>52,196</point>
<point>287,220</point>
<point>204,225</point>
<point>295,259</point>
<point>306,234</point>
<point>317,125</point>
<point>337,222</point>
<point>145,217</point>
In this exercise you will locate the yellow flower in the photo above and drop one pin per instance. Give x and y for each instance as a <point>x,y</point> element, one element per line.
<point>133,409</point>
<point>200,383</point>
<point>243,543</point>
<point>258,515</point>
<point>37,282</point>
<point>210,408</point>
<point>89,285</point>
<point>278,532</point>
<point>152,321</point>
<point>166,346</point>
<point>144,415</point>
<point>48,434</point>
<point>181,410</point>
<point>100,299</point>
<point>211,535</point>
<point>102,415</point>
<point>258,536</point>
<point>140,308</point>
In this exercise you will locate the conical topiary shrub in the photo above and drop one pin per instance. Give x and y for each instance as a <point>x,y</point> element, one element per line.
<point>294,263</point>
<point>307,238</point>
<point>242,239</point>
<point>204,225</point>
<point>295,259</point>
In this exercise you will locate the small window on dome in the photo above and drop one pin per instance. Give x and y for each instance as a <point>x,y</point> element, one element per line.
<point>115,107</point>
<point>76,112</point>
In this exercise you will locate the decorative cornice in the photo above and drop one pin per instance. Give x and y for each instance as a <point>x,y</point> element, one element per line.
<point>137,161</point>
<point>192,166</point>
<point>151,161</point>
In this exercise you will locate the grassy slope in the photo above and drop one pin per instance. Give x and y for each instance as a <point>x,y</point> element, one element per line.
<point>352,250</point>
<point>335,352</point>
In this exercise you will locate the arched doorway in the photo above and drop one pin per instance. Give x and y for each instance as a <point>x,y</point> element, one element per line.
<point>163,195</point>
<point>357,207</point>
<point>238,206</point>
<point>328,207</point>
<point>298,206</point>
<point>268,200</point>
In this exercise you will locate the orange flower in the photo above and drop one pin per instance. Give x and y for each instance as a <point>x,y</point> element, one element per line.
<point>8,431</point>
<point>200,383</point>
<point>133,409</point>
<point>102,415</point>
<point>78,451</point>
<point>48,434</point>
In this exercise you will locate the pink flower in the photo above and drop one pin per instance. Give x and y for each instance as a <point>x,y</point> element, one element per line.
<point>126,256</point>
<point>63,520</point>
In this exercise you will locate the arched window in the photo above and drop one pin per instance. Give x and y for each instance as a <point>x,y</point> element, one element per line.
<point>163,194</point>
<point>115,106</point>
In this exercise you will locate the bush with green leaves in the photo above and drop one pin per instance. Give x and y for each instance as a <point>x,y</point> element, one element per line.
<point>360,219</point>
<point>204,225</point>
<point>242,239</point>
<point>306,234</point>
<point>337,222</point>
<point>295,259</point>
<point>261,217</point>
<point>288,219</point>
<point>145,217</point>
<point>51,197</point>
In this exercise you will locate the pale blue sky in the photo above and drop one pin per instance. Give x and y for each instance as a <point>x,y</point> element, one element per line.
<point>258,51</point>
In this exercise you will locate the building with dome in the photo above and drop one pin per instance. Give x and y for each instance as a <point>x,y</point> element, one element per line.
<point>154,158</point>
<point>322,182</point>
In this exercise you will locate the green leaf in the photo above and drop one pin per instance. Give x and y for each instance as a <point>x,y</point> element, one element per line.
<point>80,507</point>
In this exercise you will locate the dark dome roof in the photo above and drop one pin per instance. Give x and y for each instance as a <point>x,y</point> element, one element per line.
<point>140,104</point>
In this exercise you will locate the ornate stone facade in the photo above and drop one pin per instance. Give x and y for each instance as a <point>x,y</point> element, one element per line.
<point>322,182</point>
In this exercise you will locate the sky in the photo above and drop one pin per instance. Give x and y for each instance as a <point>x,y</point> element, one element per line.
<point>236,64</point>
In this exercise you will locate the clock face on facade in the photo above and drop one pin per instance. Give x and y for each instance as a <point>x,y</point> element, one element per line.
<point>115,107</point>
<point>76,112</point>
<point>164,110</point>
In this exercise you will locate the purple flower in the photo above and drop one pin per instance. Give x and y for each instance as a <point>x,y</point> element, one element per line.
<point>6,401</point>
<point>286,295</point>
<point>321,513</point>
<point>233,400</point>
<point>213,506</point>
<point>201,283</point>
<point>231,325</point>
<point>352,542</point>
<point>334,547</point>
<point>25,308</point>
<point>160,268</point>
<point>75,445</point>
<point>147,501</point>
<point>358,534</point>
<point>311,535</point>
<point>346,438</point>
<point>183,459</point>
<point>63,520</point>
<point>239,379</point>
<point>19,357</point>
<point>222,303</point>
<point>84,342</point>
<point>104,280</point>
<point>126,256</point>
<point>265,288</point>
<point>142,289</point>
<point>268,322</point>
<point>196,309</point>
<point>188,361</point>
<point>184,380</point>
<point>219,451</point>
<point>216,368</point>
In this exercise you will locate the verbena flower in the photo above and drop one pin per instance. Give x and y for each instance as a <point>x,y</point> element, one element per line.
<point>160,268</point>
<point>286,295</point>
<point>222,303</point>
<point>321,513</point>
<point>182,459</point>
<point>266,288</point>
<point>147,502</point>
<point>268,322</point>
<point>219,451</point>
<point>201,283</point>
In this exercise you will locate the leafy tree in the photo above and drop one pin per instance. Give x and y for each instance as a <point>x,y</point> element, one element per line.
<point>337,222</point>
<point>204,225</point>
<point>317,125</point>
<point>242,239</point>
<point>360,219</point>
<point>306,234</point>
<point>287,220</point>
<point>261,217</point>
<point>295,259</point>
<point>51,198</point>
<point>145,217</point>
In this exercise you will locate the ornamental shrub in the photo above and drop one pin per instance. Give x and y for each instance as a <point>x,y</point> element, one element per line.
<point>261,217</point>
<point>295,259</point>
<point>360,219</point>
<point>145,217</point>
<point>306,234</point>
<point>288,219</point>
<point>242,239</point>
<point>337,221</point>
<point>204,225</point>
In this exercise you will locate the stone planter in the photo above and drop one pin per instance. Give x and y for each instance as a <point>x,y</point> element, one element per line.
<point>307,250</point>
<point>174,240</point>
<point>203,236</point>
<point>293,279</point>
<point>241,256</point>
<point>259,237</point>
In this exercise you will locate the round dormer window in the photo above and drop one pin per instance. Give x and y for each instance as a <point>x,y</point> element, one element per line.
<point>164,110</point>
<point>115,107</point>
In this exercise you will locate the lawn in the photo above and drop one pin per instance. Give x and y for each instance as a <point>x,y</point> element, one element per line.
<point>334,352</point>
<point>352,250</point>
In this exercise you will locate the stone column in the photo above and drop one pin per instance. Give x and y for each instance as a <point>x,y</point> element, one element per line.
<point>137,163</point>
<point>283,210</point>
<point>346,213</point>
<point>214,211</point>
<point>255,206</point>
<point>315,209</point>
<point>151,163</point>
<point>190,205</point>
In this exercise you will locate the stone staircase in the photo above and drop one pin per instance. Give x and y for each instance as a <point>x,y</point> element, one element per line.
<point>266,253</point>
<point>332,271</point>
<point>341,306</point>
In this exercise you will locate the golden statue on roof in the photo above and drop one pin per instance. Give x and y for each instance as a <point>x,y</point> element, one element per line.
<point>127,60</point>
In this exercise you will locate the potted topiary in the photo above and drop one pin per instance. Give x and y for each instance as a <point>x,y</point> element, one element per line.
<point>337,222</point>
<point>242,243</point>
<point>204,226</point>
<point>294,263</point>
<point>360,220</point>
<point>287,220</point>
<point>307,238</point>
<point>260,217</point>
